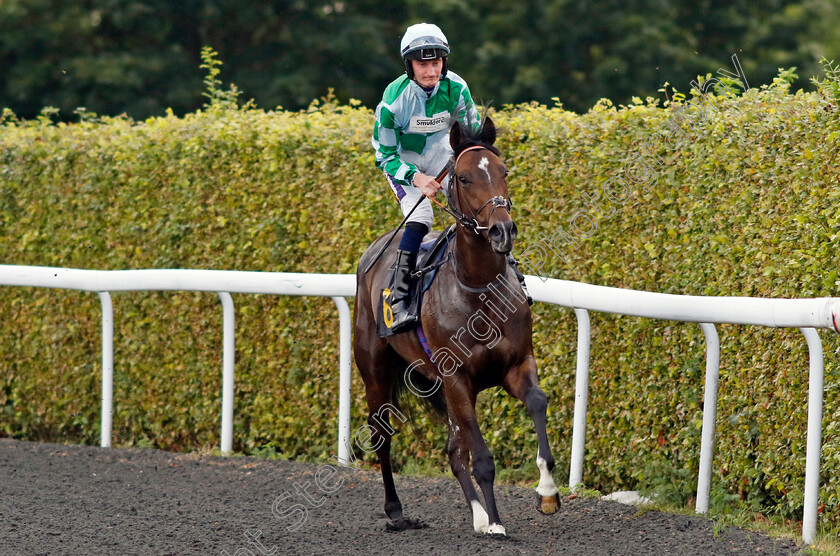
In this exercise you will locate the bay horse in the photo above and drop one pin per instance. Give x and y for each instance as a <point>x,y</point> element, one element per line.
<point>477,325</point>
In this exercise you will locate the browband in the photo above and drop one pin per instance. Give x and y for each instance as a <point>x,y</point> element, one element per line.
<point>468,149</point>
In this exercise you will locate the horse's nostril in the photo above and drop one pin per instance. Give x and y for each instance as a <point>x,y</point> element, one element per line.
<point>502,230</point>
<point>502,235</point>
<point>496,232</point>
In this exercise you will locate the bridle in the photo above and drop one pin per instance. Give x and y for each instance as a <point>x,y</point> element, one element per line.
<point>468,222</point>
<point>471,221</point>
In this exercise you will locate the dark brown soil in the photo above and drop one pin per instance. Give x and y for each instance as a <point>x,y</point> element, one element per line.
<point>57,499</point>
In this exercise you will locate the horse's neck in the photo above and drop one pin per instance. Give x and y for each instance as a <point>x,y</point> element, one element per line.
<point>476,264</point>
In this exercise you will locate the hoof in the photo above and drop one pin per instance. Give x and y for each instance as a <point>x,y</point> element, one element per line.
<point>403,524</point>
<point>548,504</point>
<point>497,529</point>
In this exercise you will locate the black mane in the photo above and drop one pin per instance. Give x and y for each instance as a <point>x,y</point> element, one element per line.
<point>484,137</point>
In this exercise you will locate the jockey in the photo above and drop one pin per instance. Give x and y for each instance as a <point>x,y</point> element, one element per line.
<point>411,140</point>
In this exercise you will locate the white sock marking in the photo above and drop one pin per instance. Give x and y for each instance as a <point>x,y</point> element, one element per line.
<point>546,486</point>
<point>480,518</point>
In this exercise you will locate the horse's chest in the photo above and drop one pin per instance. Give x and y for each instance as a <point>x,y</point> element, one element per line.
<point>473,337</point>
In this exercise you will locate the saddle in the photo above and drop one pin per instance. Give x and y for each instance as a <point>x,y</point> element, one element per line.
<point>434,252</point>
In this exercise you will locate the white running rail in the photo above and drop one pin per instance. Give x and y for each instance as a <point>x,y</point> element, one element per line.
<point>805,314</point>
<point>224,282</point>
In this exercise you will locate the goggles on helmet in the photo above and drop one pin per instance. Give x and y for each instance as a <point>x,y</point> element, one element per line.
<point>426,54</point>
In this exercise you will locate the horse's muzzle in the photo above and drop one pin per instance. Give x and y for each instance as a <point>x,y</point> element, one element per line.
<point>502,235</point>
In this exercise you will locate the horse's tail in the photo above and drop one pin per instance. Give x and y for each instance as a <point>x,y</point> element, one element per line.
<point>408,400</point>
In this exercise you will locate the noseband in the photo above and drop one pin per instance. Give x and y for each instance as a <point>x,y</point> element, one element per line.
<point>471,222</point>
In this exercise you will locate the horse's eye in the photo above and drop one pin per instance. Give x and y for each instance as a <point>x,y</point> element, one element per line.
<point>463,179</point>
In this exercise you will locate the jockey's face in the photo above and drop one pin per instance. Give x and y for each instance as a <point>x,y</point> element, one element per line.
<point>427,72</point>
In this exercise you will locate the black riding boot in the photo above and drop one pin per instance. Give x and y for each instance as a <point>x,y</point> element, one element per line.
<point>519,276</point>
<point>402,290</point>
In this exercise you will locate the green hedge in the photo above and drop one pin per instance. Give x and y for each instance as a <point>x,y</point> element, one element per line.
<point>744,205</point>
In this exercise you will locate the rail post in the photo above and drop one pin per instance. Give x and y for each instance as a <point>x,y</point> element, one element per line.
<point>581,399</point>
<point>710,400</point>
<point>228,352</point>
<point>812,454</point>
<point>345,376</point>
<point>107,369</point>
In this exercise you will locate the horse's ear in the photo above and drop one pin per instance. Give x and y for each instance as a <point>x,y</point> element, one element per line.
<point>488,132</point>
<point>456,135</point>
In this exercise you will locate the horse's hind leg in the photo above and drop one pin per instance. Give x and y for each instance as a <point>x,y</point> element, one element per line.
<point>522,383</point>
<point>378,386</point>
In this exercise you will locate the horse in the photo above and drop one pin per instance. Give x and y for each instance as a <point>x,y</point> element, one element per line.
<point>475,318</point>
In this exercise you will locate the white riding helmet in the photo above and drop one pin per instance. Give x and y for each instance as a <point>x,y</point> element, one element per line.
<point>423,41</point>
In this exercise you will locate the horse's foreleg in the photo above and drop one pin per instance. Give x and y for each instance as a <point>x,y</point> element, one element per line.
<point>548,497</point>
<point>458,450</point>
<point>461,402</point>
<point>484,471</point>
<point>522,383</point>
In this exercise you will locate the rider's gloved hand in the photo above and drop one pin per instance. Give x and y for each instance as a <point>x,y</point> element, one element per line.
<point>426,184</point>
